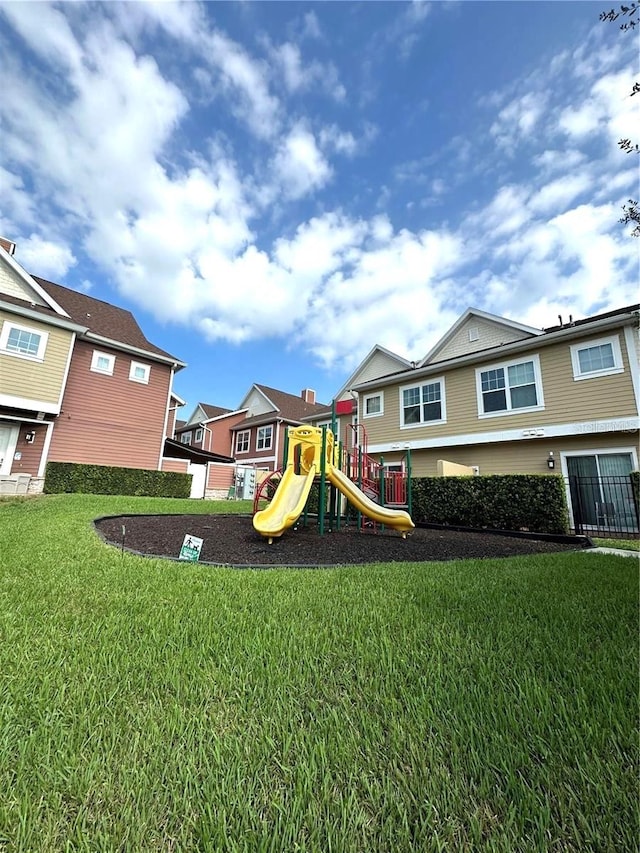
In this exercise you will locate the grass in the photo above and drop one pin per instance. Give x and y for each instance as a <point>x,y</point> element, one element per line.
<point>624,544</point>
<point>148,705</point>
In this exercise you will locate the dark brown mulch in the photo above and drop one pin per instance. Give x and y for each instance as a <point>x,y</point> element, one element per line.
<point>232,541</point>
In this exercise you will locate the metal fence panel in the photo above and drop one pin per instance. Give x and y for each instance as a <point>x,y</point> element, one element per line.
<point>603,506</point>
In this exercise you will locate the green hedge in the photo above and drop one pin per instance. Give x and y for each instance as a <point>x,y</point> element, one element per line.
<point>501,502</point>
<point>109,480</point>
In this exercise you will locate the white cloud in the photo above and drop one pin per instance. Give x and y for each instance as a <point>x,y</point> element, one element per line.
<point>518,119</point>
<point>299,166</point>
<point>51,260</point>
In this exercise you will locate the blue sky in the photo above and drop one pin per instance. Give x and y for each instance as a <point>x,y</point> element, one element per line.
<point>273,188</point>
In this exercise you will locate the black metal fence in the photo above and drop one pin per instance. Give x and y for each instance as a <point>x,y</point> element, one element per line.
<point>604,506</point>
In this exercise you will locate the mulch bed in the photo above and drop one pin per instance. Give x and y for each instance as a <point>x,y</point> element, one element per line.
<point>231,540</point>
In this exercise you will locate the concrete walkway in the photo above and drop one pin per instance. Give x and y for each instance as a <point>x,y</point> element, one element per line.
<point>618,551</point>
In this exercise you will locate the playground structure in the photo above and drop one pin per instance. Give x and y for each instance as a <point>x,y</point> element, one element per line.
<point>311,454</point>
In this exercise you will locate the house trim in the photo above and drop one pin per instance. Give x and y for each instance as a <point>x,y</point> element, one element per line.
<point>30,405</point>
<point>45,449</point>
<point>631,337</point>
<point>118,345</point>
<point>625,424</point>
<point>30,282</point>
<point>47,320</point>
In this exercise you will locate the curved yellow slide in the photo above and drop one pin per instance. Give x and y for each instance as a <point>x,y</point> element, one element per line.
<point>287,503</point>
<point>397,519</point>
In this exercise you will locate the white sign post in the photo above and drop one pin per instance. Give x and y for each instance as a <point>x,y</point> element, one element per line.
<point>191,548</point>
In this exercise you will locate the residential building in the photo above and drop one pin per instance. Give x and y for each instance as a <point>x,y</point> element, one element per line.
<point>79,381</point>
<point>209,428</point>
<point>258,439</point>
<point>495,396</point>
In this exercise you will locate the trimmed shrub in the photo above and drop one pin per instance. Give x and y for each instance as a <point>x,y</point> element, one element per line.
<point>532,502</point>
<point>110,480</point>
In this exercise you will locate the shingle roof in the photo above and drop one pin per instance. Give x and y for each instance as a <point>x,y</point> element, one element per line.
<point>102,318</point>
<point>214,411</point>
<point>290,406</point>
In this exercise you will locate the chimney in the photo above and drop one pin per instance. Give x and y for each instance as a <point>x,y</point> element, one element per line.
<point>7,245</point>
<point>308,395</point>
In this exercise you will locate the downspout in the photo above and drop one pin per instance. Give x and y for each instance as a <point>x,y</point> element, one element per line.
<point>166,417</point>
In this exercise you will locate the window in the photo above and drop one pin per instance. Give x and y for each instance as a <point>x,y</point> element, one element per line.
<point>185,437</point>
<point>102,362</point>
<point>422,404</point>
<point>601,357</point>
<point>242,441</point>
<point>23,341</point>
<point>507,387</point>
<point>373,406</point>
<point>264,437</point>
<point>198,435</point>
<point>139,372</point>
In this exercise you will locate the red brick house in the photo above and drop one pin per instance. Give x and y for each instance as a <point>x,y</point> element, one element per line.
<point>79,381</point>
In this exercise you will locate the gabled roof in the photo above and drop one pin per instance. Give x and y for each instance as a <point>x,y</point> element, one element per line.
<point>511,325</point>
<point>7,248</point>
<point>402,362</point>
<point>567,331</point>
<point>106,322</point>
<point>288,406</point>
<point>214,411</point>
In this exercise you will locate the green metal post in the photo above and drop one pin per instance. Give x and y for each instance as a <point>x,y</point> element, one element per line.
<point>285,449</point>
<point>323,475</point>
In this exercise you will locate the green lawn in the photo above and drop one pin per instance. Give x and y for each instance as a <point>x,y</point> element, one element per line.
<point>148,705</point>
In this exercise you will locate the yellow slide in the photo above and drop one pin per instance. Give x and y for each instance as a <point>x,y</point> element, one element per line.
<point>287,504</point>
<point>397,519</point>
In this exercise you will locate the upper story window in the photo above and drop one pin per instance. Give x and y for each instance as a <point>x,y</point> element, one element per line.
<point>139,372</point>
<point>423,404</point>
<point>198,436</point>
<point>601,357</point>
<point>23,341</point>
<point>242,441</point>
<point>264,437</point>
<point>373,405</point>
<point>510,386</point>
<point>102,362</point>
<point>185,437</point>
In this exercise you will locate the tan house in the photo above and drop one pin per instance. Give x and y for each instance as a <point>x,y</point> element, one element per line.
<point>79,381</point>
<point>495,396</point>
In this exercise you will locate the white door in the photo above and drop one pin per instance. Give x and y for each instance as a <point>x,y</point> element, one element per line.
<point>8,441</point>
<point>198,480</point>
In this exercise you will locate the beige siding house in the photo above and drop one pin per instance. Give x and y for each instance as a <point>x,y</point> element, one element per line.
<point>499,397</point>
<point>79,381</point>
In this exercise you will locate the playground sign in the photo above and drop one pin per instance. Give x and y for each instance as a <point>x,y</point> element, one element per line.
<point>191,548</point>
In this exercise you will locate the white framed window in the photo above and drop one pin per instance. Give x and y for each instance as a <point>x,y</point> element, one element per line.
<point>242,441</point>
<point>373,405</point>
<point>264,437</point>
<point>103,362</point>
<point>511,386</point>
<point>185,437</point>
<point>601,357</point>
<point>23,341</point>
<point>423,404</point>
<point>139,372</point>
<point>198,436</point>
